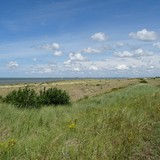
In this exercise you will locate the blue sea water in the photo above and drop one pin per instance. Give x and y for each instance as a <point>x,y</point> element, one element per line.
<point>8,81</point>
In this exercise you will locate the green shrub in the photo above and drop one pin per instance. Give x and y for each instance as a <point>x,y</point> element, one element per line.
<point>143,81</point>
<point>53,96</point>
<point>25,97</point>
<point>1,99</point>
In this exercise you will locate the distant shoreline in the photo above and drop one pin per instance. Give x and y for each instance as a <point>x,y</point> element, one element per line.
<point>12,81</point>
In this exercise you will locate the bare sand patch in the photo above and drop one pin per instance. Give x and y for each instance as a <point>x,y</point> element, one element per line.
<point>79,89</point>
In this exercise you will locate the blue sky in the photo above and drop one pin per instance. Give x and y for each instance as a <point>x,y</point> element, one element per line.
<point>79,38</point>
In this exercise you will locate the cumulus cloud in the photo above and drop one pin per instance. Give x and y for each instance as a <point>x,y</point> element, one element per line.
<point>137,53</point>
<point>84,66</point>
<point>123,54</point>
<point>76,57</point>
<point>46,70</point>
<point>12,65</point>
<point>91,50</point>
<point>120,44</point>
<point>42,69</point>
<point>68,62</point>
<point>157,44</point>
<point>76,69</point>
<point>54,47</point>
<point>141,52</point>
<point>93,68</point>
<point>144,35</point>
<point>129,65</point>
<point>100,36</point>
<point>122,67</point>
<point>57,53</point>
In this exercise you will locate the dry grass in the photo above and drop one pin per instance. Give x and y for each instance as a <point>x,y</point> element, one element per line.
<point>78,89</point>
<point>122,125</point>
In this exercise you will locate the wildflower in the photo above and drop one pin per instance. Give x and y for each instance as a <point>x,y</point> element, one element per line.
<point>130,137</point>
<point>6,145</point>
<point>72,126</point>
<point>11,142</point>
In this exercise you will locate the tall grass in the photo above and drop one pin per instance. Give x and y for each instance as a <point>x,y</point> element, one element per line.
<point>119,125</point>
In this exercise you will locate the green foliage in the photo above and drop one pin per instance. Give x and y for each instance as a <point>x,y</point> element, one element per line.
<point>53,96</point>
<point>25,97</point>
<point>7,145</point>
<point>28,98</point>
<point>1,98</point>
<point>121,125</point>
<point>143,81</point>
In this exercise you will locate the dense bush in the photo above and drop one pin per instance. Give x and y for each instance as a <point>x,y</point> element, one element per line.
<point>53,96</point>
<point>143,81</point>
<point>1,98</point>
<point>28,98</point>
<point>25,97</point>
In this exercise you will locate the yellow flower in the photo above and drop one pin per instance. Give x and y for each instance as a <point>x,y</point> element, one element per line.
<point>72,126</point>
<point>11,142</point>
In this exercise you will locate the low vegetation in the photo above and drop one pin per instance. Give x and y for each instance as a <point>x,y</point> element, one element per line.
<point>76,89</point>
<point>53,96</point>
<point>123,124</point>
<point>25,97</point>
<point>143,80</point>
<point>28,98</point>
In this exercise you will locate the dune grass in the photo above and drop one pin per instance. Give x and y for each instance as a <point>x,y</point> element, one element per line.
<point>124,124</point>
<point>77,89</point>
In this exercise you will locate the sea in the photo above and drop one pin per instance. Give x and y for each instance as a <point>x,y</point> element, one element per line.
<point>8,81</point>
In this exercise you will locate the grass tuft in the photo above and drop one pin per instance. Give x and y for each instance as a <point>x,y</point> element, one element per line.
<point>123,124</point>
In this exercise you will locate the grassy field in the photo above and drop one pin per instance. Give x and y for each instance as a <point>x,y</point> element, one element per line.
<point>123,124</point>
<point>78,89</point>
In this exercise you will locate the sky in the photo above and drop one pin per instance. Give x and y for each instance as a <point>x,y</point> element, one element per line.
<point>79,38</point>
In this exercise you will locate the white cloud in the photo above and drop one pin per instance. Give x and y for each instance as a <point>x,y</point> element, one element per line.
<point>100,36</point>
<point>122,67</point>
<point>93,68</point>
<point>68,62</point>
<point>41,69</point>
<point>132,63</point>
<point>119,44</point>
<point>46,70</point>
<point>137,53</point>
<point>152,67</point>
<point>144,35</point>
<point>52,65</point>
<point>12,64</point>
<point>77,69</point>
<point>52,47</point>
<point>80,66</point>
<point>57,53</point>
<point>91,50</point>
<point>76,57</point>
<point>112,66</point>
<point>141,52</point>
<point>123,54</point>
<point>157,44</point>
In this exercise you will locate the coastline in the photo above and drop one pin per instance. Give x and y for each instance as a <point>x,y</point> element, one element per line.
<point>80,88</point>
